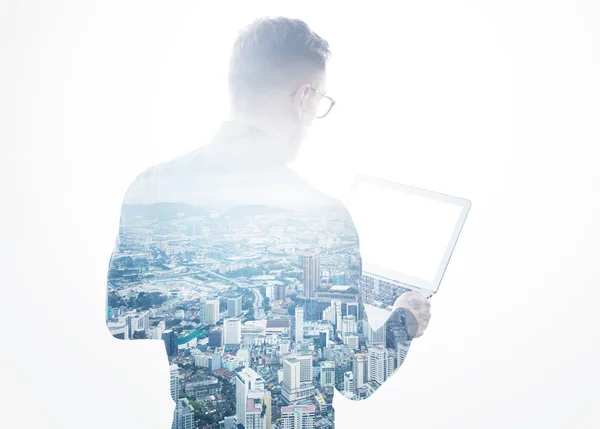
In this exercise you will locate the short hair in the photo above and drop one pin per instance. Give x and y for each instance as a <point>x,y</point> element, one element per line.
<point>271,53</point>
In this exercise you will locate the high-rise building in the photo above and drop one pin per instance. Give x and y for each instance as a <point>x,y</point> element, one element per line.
<point>269,292</point>
<point>397,340</point>
<point>203,360</point>
<point>157,331</point>
<point>343,364</point>
<point>138,322</point>
<point>280,292</point>
<point>298,417</point>
<point>168,337</point>
<point>299,324</point>
<point>349,382</point>
<point>374,337</point>
<point>232,331</point>
<point>202,309</point>
<point>183,417</point>
<point>329,315</point>
<point>348,326</point>
<point>211,311</point>
<point>284,346</point>
<point>174,369</point>
<point>377,364</point>
<point>234,306</point>
<point>327,373</point>
<point>215,362</point>
<point>312,273</point>
<point>313,309</point>
<point>247,380</point>
<point>337,306</point>
<point>255,418</point>
<point>323,338</point>
<point>215,337</point>
<point>401,353</point>
<point>297,378</point>
<point>352,341</point>
<point>268,411</point>
<point>360,369</point>
<point>390,364</point>
<point>352,309</point>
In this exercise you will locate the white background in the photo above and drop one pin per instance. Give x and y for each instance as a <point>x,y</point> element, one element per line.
<point>496,102</point>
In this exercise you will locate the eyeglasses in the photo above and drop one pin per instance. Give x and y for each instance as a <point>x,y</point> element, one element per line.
<point>325,105</point>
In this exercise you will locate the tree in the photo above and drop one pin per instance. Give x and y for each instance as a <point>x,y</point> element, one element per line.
<point>292,309</point>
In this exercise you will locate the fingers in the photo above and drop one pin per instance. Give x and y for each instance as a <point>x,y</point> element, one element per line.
<point>419,313</point>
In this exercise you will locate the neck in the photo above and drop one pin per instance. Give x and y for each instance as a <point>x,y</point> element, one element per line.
<point>269,124</point>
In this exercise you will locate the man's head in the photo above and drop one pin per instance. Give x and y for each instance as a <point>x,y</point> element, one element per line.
<point>277,77</point>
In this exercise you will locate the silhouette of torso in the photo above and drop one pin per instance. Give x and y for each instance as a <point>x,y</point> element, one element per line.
<point>250,277</point>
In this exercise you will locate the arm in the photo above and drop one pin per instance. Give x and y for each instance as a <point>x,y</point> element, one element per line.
<point>384,348</point>
<point>131,299</point>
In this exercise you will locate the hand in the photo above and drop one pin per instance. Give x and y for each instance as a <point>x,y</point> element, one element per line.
<point>418,314</point>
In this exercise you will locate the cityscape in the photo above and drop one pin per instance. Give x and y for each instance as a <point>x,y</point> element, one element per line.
<point>259,309</point>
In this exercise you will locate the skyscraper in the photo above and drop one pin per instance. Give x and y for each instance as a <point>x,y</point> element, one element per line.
<point>349,382</point>
<point>390,364</point>
<point>337,306</point>
<point>232,329</point>
<point>168,337</point>
<point>280,292</point>
<point>174,382</point>
<point>234,306</point>
<point>313,309</point>
<point>255,418</point>
<point>299,324</point>
<point>360,369</point>
<point>327,373</point>
<point>397,340</point>
<point>215,362</point>
<point>247,380</point>
<point>374,337</point>
<point>348,326</point>
<point>215,337</point>
<point>269,292</point>
<point>312,273</point>
<point>297,378</point>
<point>323,338</point>
<point>183,417</point>
<point>268,411</point>
<point>377,364</point>
<point>401,353</point>
<point>211,312</point>
<point>137,324</point>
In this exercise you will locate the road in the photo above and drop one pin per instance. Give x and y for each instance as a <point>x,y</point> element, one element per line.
<point>259,312</point>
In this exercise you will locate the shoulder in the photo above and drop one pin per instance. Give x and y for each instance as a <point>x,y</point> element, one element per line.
<point>333,207</point>
<point>145,186</point>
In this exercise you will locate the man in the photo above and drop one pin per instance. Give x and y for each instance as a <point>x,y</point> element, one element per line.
<point>221,254</point>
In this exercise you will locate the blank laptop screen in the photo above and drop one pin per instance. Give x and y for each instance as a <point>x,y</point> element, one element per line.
<point>401,231</point>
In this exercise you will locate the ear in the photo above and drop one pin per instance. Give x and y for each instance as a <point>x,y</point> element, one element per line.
<point>301,98</point>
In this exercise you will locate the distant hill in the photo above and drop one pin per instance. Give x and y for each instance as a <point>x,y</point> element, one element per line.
<point>241,212</point>
<point>162,210</point>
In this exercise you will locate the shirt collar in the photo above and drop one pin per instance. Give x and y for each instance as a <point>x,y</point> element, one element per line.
<point>245,146</point>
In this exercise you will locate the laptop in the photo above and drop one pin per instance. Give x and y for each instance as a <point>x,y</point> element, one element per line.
<point>407,236</point>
